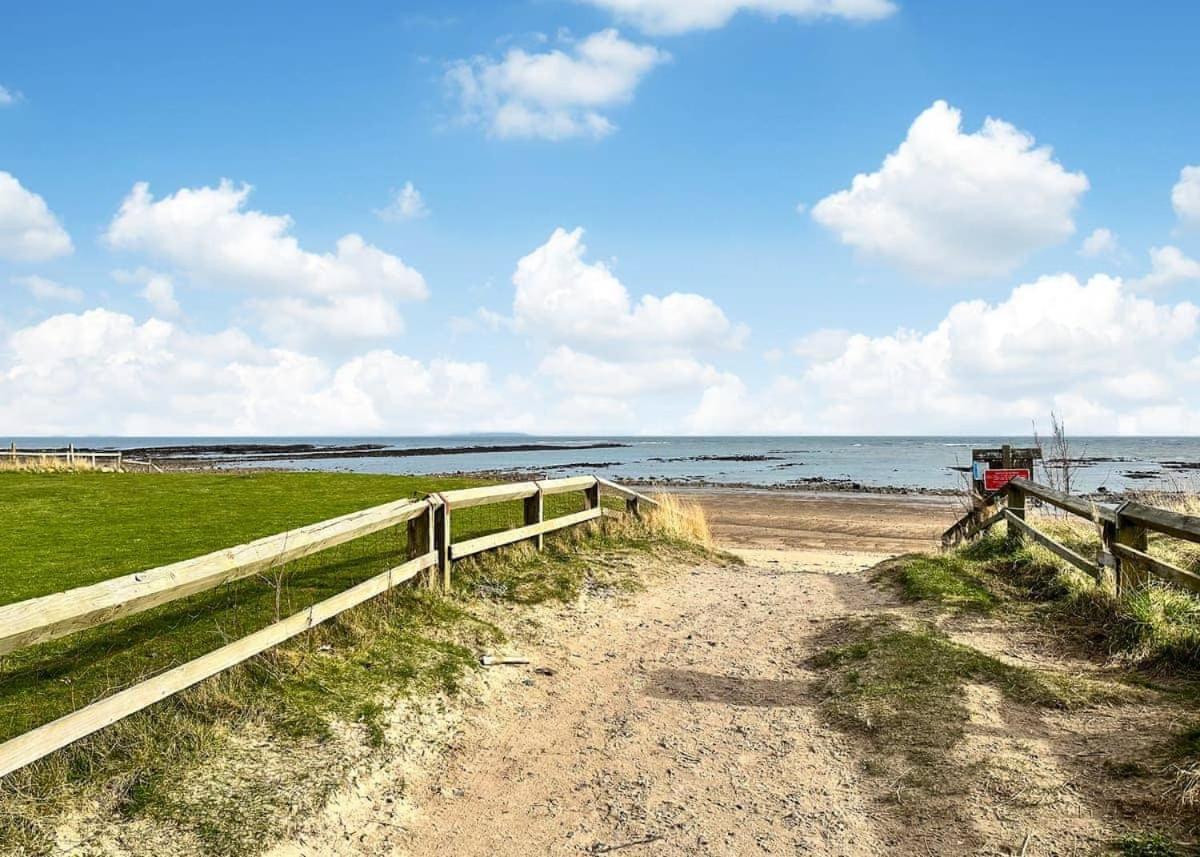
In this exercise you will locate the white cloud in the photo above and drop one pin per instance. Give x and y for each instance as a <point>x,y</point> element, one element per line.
<point>1185,196</point>
<point>158,290</point>
<point>209,235</point>
<point>947,205</point>
<point>406,204</point>
<point>1102,242</point>
<point>821,344</point>
<point>298,322</point>
<point>1168,267</point>
<point>1081,348</point>
<point>103,372</point>
<point>29,231</point>
<point>582,374</point>
<point>680,16</point>
<point>563,299</point>
<point>554,95</point>
<point>9,97</point>
<point>45,289</point>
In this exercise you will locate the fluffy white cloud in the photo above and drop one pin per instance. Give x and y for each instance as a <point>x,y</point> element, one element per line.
<point>1185,196</point>
<point>564,299</point>
<point>680,16</point>
<point>103,372</point>
<point>948,205</point>
<point>406,204</point>
<point>45,289</point>
<point>554,95</point>
<point>1168,266</point>
<point>1081,348</point>
<point>158,290</point>
<point>29,231</point>
<point>210,236</point>
<point>1102,242</point>
<point>8,97</point>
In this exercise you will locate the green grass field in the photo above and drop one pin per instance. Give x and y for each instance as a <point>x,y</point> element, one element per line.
<point>69,530</point>
<point>65,530</point>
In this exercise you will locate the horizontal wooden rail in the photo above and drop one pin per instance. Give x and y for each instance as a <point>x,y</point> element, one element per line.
<point>467,548</point>
<point>627,493</point>
<point>42,741</point>
<point>566,485</point>
<point>1067,502</point>
<point>39,619</point>
<point>1062,551</point>
<point>465,498</point>
<point>1158,567</point>
<point>1175,524</point>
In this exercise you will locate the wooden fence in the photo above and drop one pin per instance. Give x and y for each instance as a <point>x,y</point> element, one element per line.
<point>430,546</point>
<point>1123,532</point>
<point>70,458</point>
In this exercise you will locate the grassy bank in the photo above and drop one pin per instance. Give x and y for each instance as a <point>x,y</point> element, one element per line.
<point>331,688</point>
<point>907,683</point>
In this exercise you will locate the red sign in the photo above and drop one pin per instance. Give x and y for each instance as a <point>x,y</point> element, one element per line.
<point>994,480</point>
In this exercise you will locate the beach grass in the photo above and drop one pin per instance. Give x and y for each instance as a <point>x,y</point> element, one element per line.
<point>72,529</point>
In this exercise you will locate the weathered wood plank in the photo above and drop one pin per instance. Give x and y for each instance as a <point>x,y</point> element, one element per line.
<point>1156,566</point>
<point>627,493</point>
<point>464,498</point>
<point>566,485</point>
<point>1059,550</point>
<point>506,537</point>
<point>33,745</point>
<point>39,619</point>
<point>1180,526</point>
<point>1067,502</point>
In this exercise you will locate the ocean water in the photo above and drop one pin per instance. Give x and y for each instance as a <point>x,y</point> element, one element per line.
<point>1113,463</point>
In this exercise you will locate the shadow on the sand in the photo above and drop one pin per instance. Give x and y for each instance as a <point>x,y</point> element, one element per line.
<point>694,686</point>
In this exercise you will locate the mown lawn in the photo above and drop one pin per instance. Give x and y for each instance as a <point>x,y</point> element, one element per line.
<point>63,530</point>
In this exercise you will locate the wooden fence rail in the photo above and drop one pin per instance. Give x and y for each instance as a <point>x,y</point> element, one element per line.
<point>429,546</point>
<point>1123,530</point>
<point>71,457</point>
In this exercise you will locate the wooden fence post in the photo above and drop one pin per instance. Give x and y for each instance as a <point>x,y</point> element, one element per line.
<point>1107,561</point>
<point>591,496</point>
<point>1016,505</point>
<point>420,539</point>
<point>441,540</point>
<point>633,508</point>
<point>1130,573</point>
<point>535,511</point>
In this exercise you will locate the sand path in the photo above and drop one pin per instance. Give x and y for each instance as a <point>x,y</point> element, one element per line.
<point>681,723</point>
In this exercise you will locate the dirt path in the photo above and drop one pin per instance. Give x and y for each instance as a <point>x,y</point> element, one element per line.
<point>680,724</point>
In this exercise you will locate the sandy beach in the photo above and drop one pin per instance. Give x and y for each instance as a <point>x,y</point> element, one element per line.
<point>823,531</point>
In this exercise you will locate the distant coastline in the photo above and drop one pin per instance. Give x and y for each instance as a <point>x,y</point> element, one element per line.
<point>1107,467</point>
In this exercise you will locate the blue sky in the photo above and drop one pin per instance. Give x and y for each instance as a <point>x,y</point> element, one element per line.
<point>708,151</point>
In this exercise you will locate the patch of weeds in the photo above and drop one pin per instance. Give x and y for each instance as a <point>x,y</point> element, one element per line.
<point>1156,626</point>
<point>1125,770</point>
<point>1146,845</point>
<point>946,579</point>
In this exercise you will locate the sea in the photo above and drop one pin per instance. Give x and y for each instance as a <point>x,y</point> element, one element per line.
<point>914,463</point>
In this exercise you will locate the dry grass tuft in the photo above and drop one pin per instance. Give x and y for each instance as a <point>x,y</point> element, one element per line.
<point>682,519</point>
<point>52,464</point>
